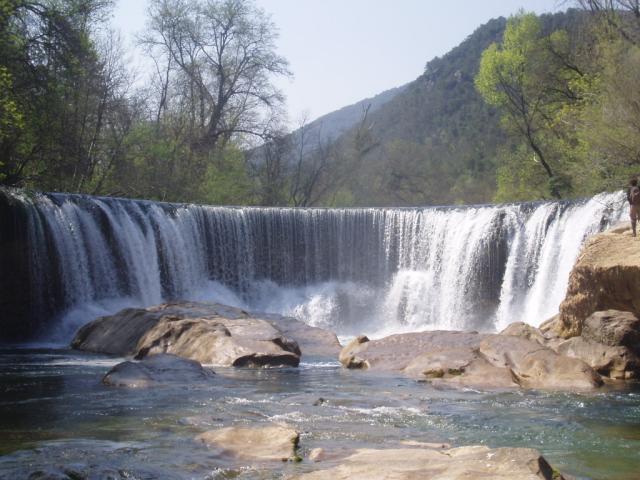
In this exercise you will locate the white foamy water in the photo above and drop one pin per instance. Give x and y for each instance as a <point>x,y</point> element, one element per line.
<point>374,271</point>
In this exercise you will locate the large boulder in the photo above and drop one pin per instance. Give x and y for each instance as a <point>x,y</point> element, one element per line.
<point>615,362</point>
<point>469,359</point>
<point>395,352</point>
<point>269,443</point>
<point>524,330</point>
<point>463,367</point>
<point>208,333</point>
<point>116,334</point>
<point>605,276</point>
<point>609,342</point>
<point>476,462</point>
<point>157,370</point>
<point>242,342</point>
<point>536,366</point>
<point>614,328</point>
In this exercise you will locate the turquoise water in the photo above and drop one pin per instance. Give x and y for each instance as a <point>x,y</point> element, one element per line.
<point>56,416</point>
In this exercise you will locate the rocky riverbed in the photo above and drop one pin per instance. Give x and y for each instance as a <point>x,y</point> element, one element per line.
<point>198,390</point>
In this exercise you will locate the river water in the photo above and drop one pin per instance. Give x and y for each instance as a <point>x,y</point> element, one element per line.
<point>72,258</point>
<point>56,416</point>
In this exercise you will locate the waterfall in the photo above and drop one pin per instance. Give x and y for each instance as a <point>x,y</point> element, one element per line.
<point>69,258</point>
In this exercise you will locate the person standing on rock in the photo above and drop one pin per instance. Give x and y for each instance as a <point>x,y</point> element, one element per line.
<point>633,197</point>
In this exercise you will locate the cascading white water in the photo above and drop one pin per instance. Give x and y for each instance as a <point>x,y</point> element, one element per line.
<point>376,271</point>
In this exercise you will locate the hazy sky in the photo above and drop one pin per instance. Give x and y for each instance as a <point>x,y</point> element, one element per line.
<point>342,51</point>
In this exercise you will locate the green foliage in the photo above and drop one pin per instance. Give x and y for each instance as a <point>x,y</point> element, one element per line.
<point>509,66</point>
<point>227,182</point>
<point>569,98</point>
<point>526,108</point>
<point>11,119</point>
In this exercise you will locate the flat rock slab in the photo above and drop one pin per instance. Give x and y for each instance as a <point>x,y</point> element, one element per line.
<point>476,462</point>
<point>263,444</point>
<point>157,370</point>
<point>468,359</point>
<point>208,333</point>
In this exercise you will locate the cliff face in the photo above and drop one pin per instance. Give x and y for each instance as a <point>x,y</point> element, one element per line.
<point>605,276</point>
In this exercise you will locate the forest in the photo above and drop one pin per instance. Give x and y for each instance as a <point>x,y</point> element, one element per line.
<point>531,107</point>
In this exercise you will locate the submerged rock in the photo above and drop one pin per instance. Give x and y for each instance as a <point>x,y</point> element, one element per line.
<point>156,370</point>
<point>270,443</point>
<point>471,360</point>
<point>476,462</point>
<point>605,276</point>
<point>208,333</point>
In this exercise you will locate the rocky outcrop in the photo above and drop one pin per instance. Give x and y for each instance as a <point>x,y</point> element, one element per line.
<point>239,342</point>
<point>208,333</point>
<point>609,342</point>
<point>469,359</point>
<point>605,276</point>
<point>477,462</point>
<point>270,443</point>
<point>157,370</point>
<point>614,328</point>
<point>616,363</point>
<point>524,330</point>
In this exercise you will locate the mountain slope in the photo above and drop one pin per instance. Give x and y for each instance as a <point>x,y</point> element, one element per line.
<point>436,141</point>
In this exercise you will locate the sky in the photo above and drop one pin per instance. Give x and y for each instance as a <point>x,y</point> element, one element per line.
<point>343,51</point>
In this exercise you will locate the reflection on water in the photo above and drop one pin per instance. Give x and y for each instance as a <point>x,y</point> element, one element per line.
<point>56,416</point>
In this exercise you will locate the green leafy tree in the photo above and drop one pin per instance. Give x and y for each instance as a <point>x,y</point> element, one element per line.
<point>528,78</point>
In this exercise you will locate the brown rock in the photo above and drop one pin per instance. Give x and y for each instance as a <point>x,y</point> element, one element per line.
<point>395,352</point>
<point>618,363</point>
<point>312,340</point>
<point>117,334</point>
<point>156,370</point>
<point>476,462</point>
<point>524,330</point>
<point>242,342</point>
<point>471,360</point>
<point>348,357</point>
<point>463,367</point>
<point>270,443</point>
<point>614,328</point>
<point>536,366</point>
<point>209,333</point>
<point>605,276</point>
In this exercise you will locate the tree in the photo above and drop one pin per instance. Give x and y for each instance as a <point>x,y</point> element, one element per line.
<point>218,57</point>
<point>622,16</point>
<point>55,91</point>
<point>529,77</point>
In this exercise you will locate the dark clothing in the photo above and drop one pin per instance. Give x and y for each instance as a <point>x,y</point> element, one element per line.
<point>634,211</point>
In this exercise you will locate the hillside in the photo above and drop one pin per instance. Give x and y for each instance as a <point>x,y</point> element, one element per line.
<point>330,126</point>
<point>436,141</point>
